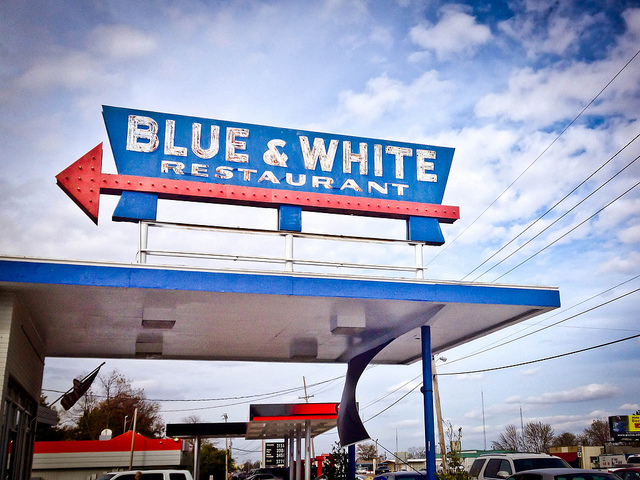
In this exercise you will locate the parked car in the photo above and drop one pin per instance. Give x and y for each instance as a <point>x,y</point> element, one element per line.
<point>148,475</point>
<point>381,470</point>
<point>563,474</point>
<point>630,473</point>
<point>408,475</point>
<point>277,472</point>
<point>502,465</point>
<point>264,476</point>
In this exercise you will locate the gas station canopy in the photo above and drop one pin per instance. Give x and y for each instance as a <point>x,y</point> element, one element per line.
<point>109,310</point>
<point>267,421</point>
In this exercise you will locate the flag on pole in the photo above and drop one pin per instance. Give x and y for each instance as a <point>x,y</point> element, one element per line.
<point>79,389</point>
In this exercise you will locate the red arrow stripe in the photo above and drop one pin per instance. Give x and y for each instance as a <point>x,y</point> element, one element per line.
<point>83,181</point>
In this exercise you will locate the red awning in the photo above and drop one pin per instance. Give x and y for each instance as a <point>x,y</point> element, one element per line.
<point>567,456</point>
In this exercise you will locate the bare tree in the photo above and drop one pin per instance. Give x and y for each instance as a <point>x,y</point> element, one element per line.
<point>596,434</point>
<point>538,437</point>
<point>416,452</point>
<point>366,451</point>
<point>508,440</point>
<point>118,401</point>
<point>565,439</point>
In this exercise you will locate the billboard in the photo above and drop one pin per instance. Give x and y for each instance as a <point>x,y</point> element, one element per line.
<point>625,427</point>
<point>168,156</point>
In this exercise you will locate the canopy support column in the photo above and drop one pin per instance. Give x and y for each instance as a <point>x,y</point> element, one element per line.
<point>427,390</point>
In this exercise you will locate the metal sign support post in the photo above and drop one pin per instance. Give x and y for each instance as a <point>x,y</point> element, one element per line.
<point>143,241</point>
<point>427,390</point>
<point>419,261</point>
<point>351,453</point>
<point>307,450</point>
<point>196,457</point>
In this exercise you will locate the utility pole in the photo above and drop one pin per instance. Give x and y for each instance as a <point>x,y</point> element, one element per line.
<point>306,399</point>
<point>484,425</point>
<point>226,452</point>
<point>436,394</point>
<point>133,437</point>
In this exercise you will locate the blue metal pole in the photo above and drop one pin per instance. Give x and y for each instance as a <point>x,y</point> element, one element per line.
<point>351,449</point>
<point>427,390</point>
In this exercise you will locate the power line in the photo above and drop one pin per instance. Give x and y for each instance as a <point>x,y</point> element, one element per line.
<point>543,359</point>
<point>559,218</point>
<point>507,366</point>
<point>567,233</point>
<point>498,344</point>
<point>552,208</point>
<point>551,325</point>
<point>536,159</point>
<point>505,343</point>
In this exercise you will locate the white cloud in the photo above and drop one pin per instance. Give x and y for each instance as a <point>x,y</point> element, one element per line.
<point>388,96</point>
<point>547,28</point>
<point>123,42</point>
<point>621,264</point>
<point>69,70</point>
<point>456,32</point>
<point>593,391</point>
<point>557,93</point>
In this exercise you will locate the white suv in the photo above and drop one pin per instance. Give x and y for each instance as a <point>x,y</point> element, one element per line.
<point>148,475</point>
<point>503,465</point>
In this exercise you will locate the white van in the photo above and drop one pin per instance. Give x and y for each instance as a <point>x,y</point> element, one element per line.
<point>148,475</point>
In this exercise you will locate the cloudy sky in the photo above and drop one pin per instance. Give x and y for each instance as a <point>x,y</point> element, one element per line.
<point>540,99</point>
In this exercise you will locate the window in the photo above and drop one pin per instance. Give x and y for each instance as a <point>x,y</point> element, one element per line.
<point>496,465</point>
<point>531,476</point>
<point>537,463</point>
<point>475,469</point>
<point>152,476</point>
<point>629,475</point>
<point>177,476</point>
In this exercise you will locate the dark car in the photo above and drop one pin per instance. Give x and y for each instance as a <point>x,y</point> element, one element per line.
<point>631,473</point>
<point>277,472</point>
<point>562,474</point>
<point>381,470</point>
<point>409,475</point>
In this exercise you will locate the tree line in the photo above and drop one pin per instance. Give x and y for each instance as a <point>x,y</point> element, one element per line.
<point>110,406</point>
<point>110,403</point>
<point>538,437</point>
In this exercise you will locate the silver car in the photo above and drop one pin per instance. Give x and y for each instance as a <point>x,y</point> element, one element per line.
<point>562,474</point>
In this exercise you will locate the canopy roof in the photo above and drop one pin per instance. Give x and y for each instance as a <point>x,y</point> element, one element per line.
<point>84,309</point>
